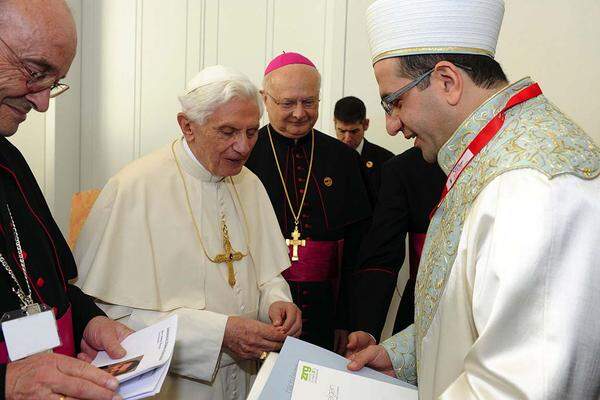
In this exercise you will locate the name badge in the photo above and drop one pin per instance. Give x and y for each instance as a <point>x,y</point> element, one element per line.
<point>30,333</point>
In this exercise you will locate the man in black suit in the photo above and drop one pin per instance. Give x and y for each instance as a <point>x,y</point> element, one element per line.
<point>351,122</point>
<point>410,188</point>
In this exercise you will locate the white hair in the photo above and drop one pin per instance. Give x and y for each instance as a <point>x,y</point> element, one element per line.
<point>213,87</point>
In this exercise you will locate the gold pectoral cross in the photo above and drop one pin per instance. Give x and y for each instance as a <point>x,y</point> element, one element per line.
<point>295,242</point>
<point>229,256</point>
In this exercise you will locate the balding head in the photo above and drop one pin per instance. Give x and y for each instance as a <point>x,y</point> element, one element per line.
<point>40,35</point>
<point>298,84</point>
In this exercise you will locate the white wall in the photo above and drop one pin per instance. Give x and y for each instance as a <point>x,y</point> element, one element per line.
<point>135,57</point>
<point>138,56</point>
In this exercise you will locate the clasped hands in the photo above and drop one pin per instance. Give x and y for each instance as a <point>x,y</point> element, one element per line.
<point>248,338</point>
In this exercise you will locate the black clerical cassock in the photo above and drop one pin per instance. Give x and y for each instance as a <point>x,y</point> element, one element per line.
<point>373,157</point>
<point>410,188</point>
<point>46,255</point>
<point>332,221</point>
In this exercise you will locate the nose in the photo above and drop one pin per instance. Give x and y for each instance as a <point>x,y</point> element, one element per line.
<point>299,111</point>
<point>40,100</point>
<point>346,138</point>
<point>242,145</point>
<point>393,124</point>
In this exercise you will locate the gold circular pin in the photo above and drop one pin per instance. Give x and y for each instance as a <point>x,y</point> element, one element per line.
<point>369,164</point>
<point>328,181</point>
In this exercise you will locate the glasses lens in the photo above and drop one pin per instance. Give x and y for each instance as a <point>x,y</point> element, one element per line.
<point>386,107</point>
<point>58,89</point>
<point>308,103</point>
<point>288,105</point>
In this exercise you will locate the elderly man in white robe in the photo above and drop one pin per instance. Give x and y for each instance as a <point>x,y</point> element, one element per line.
<point>188,230</point>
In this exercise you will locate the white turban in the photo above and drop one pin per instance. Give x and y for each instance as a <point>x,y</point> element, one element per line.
<point>405,27</point>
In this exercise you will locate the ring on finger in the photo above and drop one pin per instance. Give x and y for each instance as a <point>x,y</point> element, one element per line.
<point>263,355</point>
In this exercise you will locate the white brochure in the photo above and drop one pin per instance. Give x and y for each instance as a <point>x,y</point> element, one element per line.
<point>142,371</point>
<point>317,382</point>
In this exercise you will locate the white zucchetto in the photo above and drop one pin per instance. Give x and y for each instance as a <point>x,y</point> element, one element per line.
<point>212,74</point>
<point>405,27</point>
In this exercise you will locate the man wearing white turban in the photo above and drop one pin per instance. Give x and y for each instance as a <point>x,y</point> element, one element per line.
<point>188,230</point>
<point>507,301</point>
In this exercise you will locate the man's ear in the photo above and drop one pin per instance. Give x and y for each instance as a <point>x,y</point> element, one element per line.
<point>365,124</point>
<point>263,94</point>
<point>448,79</point>
<point>186,127</point>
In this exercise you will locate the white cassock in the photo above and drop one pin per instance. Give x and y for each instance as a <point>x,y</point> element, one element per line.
<point>508,292</point>
<point>517,304</point>
<point>139,252</point>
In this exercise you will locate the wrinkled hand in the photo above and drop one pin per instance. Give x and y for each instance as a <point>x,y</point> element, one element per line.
<point>286,316</point>
<point>375,357</point>
<point>248,338</point>
<point>50,376</point>
<point>340,341</point>
<point>358,341</point>
<point>102,333</point>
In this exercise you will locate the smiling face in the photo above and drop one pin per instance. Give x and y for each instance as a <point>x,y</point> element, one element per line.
<point>224,142</point>
<point>37,34</point>
<point>292,83</point>
<point>416,114</point>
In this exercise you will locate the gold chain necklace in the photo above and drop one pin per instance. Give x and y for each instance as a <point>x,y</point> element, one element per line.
<point>229,255</point>
<point>295,240</point>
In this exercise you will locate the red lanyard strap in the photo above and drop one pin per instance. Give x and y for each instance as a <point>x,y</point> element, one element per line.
<point>483,138</point>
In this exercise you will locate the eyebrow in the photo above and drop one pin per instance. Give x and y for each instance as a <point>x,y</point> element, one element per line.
<point>42,64</point>
<point>226,126</point>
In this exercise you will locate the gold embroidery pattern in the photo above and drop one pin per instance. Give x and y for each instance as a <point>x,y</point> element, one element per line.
<point>535,135</point>
<point>401,349</point>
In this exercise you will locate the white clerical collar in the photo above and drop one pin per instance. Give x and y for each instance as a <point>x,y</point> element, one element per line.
<point>360,146</point>
<point>197,169</point>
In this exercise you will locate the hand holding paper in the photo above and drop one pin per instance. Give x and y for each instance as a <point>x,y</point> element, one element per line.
<point>275,381</point>
<point>374,357</point>
<point>47,374</point>
<point>102,333</point>
<point>143,370</point>
<point>358,341</point>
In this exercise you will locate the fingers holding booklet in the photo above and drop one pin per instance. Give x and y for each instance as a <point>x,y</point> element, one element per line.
<point>143,369</point>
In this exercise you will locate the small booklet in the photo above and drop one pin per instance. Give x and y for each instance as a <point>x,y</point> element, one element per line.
<point>143,370</point>
<point>318,382</point>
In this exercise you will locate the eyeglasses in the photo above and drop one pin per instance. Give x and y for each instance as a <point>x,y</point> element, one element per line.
<point>38,81</point>
<point>288,104</point>
<point>388,102</point>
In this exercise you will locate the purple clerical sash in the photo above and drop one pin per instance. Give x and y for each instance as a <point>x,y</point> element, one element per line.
<point>318,261</point>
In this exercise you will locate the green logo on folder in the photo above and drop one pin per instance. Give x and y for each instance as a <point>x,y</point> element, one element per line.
<point>309,374</point>
<point>305,373</point>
